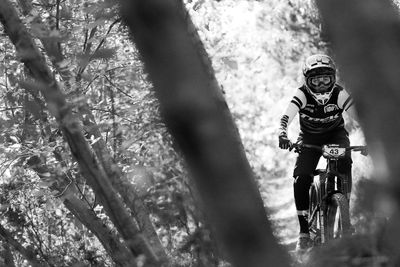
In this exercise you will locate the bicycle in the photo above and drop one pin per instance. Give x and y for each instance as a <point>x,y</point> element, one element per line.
<point>329,195</point>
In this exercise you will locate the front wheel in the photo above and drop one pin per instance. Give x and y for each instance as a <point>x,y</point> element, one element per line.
<point>314,212</point>
<point>338,217</point>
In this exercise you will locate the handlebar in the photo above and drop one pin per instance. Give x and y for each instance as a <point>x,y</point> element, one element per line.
<point>330,150</point>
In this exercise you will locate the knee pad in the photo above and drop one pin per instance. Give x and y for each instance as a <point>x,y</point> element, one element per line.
<point>303,180</point>
<point>301,186</point>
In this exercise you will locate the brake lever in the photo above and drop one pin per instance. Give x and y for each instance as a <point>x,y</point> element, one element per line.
<point>296,148</point>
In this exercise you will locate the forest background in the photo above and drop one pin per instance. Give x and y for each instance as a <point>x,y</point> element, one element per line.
<point>256,49</point>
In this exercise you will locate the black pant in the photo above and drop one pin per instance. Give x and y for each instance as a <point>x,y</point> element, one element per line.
<point>307,162</point>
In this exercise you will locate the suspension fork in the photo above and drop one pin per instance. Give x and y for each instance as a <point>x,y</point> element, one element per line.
<point>343,179</point>
<point>323,180</point>
<point>327,182</point>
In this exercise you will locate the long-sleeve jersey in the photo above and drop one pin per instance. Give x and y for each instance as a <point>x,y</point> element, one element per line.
<point>316,118</point>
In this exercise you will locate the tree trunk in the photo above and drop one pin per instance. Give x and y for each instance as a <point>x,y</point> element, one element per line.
<point>365,38</point>
<point>91,170</point>
<point>122,185</point>
<point>198,118</point>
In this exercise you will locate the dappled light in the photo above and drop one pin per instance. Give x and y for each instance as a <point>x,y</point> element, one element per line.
<point>145,133</point>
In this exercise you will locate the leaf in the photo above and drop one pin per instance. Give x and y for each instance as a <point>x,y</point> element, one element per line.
<point>11,98</point>
<point>198,5</point>
<point>4,207</point>
<point>55,34</point>
<point>14,139</point>
<point>87,76</point>
<point>34,109</point>
<point>66,13</point>
<point>39,192</point>
<point>15,146</point>
<point>30,86</point>
<point>45,183</point>
<point>105,53</point>
<point>83,60</point>
<point>64,63</point>
<point>39,30</point>
<point>98,22</point>
<point>231,63</point>
<point>44,174</point>
<point>95,141</point>
<point>59,212</point>
<point>126,144</point>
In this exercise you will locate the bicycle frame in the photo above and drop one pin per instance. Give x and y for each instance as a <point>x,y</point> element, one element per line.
<point>329,183</point>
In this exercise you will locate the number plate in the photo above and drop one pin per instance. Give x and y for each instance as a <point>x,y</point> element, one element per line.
<point>333,151</point>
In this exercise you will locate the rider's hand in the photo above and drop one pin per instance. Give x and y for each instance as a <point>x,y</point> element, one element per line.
<point>284,141</point>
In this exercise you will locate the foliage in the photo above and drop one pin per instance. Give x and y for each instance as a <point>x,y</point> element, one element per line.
<point>39,220</point>
<point>256,50</point>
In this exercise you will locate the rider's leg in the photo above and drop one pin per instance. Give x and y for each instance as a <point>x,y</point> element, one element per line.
<point>305,165</point>
<point>301,187</point>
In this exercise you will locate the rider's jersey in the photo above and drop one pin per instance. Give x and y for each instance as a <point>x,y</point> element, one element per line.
<point>316,118</point>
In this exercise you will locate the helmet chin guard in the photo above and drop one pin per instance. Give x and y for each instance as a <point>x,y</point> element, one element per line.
<point>321,98</point>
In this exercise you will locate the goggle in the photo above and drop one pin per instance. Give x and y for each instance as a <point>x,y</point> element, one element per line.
<point>321,80</point>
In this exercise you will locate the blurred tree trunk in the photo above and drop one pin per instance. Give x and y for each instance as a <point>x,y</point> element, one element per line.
<point>365,39</point>
<point>198,118</point>
<point>91,169</point>
<point>117,178</point>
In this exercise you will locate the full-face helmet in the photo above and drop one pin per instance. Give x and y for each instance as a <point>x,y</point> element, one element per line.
<point>320,76</point>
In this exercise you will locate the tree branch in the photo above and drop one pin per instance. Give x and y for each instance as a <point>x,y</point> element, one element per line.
<point>27,253</point>
<point>92,171</point>
<point>125,189</point>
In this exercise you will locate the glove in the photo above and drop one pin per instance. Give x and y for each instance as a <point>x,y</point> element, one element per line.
<point>284,142</point>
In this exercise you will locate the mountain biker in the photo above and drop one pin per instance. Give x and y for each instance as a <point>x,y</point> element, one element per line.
<point>320,102</point>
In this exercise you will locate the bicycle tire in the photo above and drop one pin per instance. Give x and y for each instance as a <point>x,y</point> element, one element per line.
<point>337,217</point>
<point>314,224</point>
